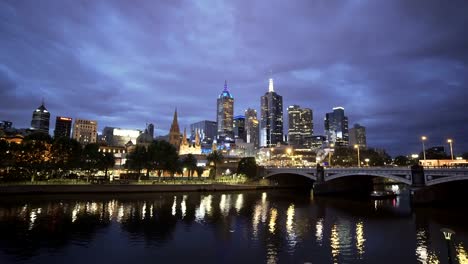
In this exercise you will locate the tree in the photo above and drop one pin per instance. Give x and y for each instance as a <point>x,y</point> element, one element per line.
<point>190,163</point>
<point>200,171</point>
<point>106,161</point>
<point>33,155</point>
<point>90,159</point>
<point>248,166</point>
<point>163,156</point>
<point>138,159</point>
<point>401,161</point>
<point>215,157</point>
<point>65,155</point>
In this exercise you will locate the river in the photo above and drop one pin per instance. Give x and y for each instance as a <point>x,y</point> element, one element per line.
<point>285,226</point>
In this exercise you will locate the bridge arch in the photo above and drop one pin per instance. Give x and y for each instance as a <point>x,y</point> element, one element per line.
<point>406,179</point>
<point>297,173</point>
<point>432,182</point>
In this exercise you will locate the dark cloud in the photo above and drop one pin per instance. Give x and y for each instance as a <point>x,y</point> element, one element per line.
<point>398,67</point>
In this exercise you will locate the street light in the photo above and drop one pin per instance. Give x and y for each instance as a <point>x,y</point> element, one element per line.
<point>450,141</point>
<point>289,151</point>
<point>448,236</point>
<point>367,162</point>
<point>358,158</point>
<point>423,138</point>
<point>329,154</point>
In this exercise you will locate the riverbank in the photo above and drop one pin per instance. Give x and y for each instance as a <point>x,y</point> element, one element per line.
<point>127,188</point>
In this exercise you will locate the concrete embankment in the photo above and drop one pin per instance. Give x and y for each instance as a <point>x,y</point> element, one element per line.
<point>125,188</point>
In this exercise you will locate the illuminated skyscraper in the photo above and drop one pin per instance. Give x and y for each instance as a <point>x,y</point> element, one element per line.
<point>225,114</point>
<point>62,127</point>
<point>271,124</point>
<point>85,131</point>
<point>336,127</point>
<point>251,127</point>
<point>40,119</point>
<point>357,136</point>
<point>300,128</point>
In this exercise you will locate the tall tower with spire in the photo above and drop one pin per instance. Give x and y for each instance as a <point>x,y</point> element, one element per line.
<point>271,123</point>
<point>174,133</point>
<point>225,115</point>
<point>41,119</point>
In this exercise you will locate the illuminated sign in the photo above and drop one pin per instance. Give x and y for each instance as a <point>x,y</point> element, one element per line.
<point>65,118</point>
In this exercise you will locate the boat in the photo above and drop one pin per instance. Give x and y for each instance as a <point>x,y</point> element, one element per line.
<point>383,194</point>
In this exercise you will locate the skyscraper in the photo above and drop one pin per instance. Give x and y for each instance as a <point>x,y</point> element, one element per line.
<point>357,136</point>
<point>336,127</point>
<point>40,119</point>
<point>271,124</point>
<point>225,114</point>
<point>63,127</point>
<point>239,127</point>
<point>251,127</point>
<point>300,128</point>
<point>174,133</point>
<point>85,131</point>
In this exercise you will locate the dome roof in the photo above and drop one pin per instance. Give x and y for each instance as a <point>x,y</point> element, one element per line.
<point>225,92</point>
<point>144,138</point>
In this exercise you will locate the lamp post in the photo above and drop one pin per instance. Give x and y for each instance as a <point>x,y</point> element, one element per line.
<point>367,162</point>
<point>423,138</point>
<point>450,141</point>
<point>358,158</point>
<point>448,236</point>
<point>289,151</point>
<point>329,154</point>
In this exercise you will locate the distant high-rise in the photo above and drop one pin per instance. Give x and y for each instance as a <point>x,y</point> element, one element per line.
<point>63,127</point>
<point>174,133</point>
<point>336,127</point>
<point>150,128</point>
<point>251,127</point>
<point>225,114</point>
<point>271,124</point>
<point>357,136</point>
<point>239,127</point>
<point>300,128</point>
<point>206,130</point>
<point>40,119</point>
<point>85,131</point>
<point>6,124</point>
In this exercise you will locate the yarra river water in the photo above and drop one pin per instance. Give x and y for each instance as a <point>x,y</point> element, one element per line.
<point>234,227</point>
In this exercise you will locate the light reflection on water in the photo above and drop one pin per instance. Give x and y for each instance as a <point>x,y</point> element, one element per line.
<point>264,226</point>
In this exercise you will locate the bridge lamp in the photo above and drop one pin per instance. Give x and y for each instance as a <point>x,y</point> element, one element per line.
<point>450,141</point>
<point>367,161</point>
<point>358,158</point>
<point>448,233</point>
<point>329,154</point>
<point>424,138</point>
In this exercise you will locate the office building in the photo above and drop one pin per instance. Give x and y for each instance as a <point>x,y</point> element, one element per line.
<point>118,137</point>
<point>206,130</point>
<point>251,127</point>
<point>336,127</point>
<point>6,124</point>
<point>224,116</point>
<point>271,124</point>
<point>357,136</point>
<point>300,128</point>
<point>85,131</point>
<point>63,127</point>
<point>40,119</point>
<point>239,128</point>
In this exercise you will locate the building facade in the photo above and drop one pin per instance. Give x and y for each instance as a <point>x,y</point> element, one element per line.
<point>357,136</point>
<point>206,130</point>
<point>41,119</point>
<point>85,131</point>
<point>150,129</point>
<point>300,129</point>
<point>118,137</point>
<point>336,127</point>
<point>225,115</point>
<point>239,128</point>
<point>63,127</point>
<point>251,127</point>
<point>271,124</point>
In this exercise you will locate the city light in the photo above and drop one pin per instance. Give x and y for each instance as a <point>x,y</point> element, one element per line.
<point>424,138</point>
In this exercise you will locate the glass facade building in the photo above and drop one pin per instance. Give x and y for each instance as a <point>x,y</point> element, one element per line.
<point>63,127</point>
<point>336,127</point>
<point>225,115</point>
<point>41,119</point>
<point>357,136</point>
<point>300,129</point>
<point>271,124</point>
<point>251,127</point>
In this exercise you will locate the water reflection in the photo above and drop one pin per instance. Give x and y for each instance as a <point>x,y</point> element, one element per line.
<point>273,227</point>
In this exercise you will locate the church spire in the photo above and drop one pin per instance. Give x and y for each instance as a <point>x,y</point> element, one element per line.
<point>174,133</point>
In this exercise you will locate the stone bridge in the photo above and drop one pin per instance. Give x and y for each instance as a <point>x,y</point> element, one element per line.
<point>416,176</point>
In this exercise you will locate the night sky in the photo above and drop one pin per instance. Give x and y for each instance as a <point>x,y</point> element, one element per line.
<point>400,68</point>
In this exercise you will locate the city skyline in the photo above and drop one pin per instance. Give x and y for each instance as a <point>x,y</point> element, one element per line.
<point>131,65</point>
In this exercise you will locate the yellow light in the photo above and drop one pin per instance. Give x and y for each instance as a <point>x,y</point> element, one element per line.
<point>356,146</point>
<point>423,137</point>
<point>449,140</point>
